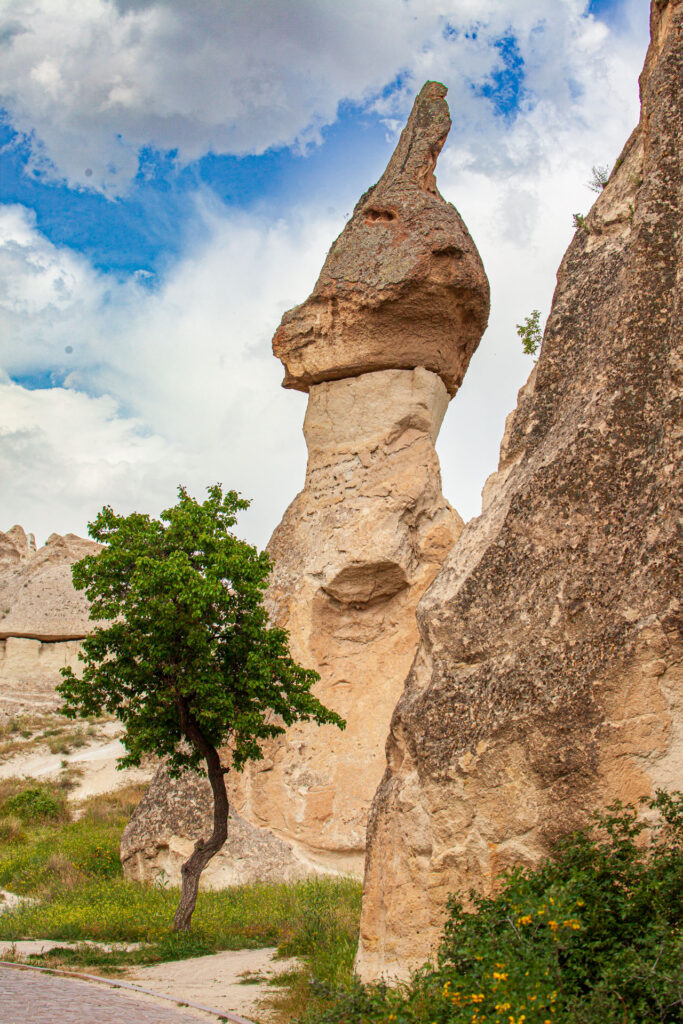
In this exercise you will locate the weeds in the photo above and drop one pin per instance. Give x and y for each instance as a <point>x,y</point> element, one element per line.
<point>599,178</point>
<point>590,937</point>
<point>28,732</point>
<point>73,868</point>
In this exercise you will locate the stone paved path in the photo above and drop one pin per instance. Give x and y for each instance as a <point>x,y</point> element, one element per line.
<point>27,997</point>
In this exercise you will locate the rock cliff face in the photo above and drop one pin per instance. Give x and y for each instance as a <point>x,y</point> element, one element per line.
<point>548,679</point>
<point>380,345</point>
<point>42,617</point>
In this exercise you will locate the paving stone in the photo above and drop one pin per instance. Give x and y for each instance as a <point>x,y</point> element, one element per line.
<point>27,997</point>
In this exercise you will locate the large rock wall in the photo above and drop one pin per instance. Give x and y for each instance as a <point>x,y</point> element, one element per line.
<point>548,680</point>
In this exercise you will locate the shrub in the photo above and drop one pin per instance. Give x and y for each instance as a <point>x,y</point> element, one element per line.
<point>592,936</point>
<point>530,333</point>
<point>37,803</point>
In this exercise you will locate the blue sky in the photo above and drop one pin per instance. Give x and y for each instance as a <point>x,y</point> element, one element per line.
<point>170,180</point>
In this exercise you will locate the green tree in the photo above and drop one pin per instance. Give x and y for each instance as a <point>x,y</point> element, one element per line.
<point>184,656</point>
<point>530,332</point>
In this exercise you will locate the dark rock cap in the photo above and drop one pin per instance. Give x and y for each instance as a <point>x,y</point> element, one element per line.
<point>403,285</point>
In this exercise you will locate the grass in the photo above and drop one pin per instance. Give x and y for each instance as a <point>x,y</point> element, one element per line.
<point>72,869</point>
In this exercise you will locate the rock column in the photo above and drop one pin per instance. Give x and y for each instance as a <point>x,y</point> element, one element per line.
<point>381,346</point>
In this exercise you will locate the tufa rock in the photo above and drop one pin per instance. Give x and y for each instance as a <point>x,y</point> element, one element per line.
<point>367,534</point>
<point>548,679</point>
<point>42,617</point>
<point>403,286</point>
<point>354,553</point>
<point>169,819</point>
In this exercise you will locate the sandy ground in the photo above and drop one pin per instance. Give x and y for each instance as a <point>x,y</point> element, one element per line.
<point>10,900</point>
<point>218,980</point>
<point>235,980</point>
<point>96,761</point>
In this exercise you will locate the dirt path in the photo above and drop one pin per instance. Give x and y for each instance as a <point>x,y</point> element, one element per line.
<point>219,980</point>
<point>95,762</point>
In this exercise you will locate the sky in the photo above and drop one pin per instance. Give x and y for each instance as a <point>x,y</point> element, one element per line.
<point>172,175</point>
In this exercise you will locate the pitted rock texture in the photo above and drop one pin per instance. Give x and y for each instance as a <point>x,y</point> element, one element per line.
<point>170,818</point>
<point>42,617</point>
<point>366,536</point>
<point>403,285</point>
<point>548,680</point>
<point>353,554</point>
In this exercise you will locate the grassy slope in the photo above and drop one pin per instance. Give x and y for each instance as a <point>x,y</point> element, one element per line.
<point>72,868</point>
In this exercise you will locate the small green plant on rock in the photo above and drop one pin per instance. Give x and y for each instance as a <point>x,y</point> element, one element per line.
<point>599,178</point>
<point>530,333</point>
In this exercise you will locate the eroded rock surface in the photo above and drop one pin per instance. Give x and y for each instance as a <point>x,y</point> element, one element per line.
<point>403,285</point>
<point>353,554</point>
<point>380,346</point>
<point>548,679</point>
<point>170,818</point>
<point>42,618</point>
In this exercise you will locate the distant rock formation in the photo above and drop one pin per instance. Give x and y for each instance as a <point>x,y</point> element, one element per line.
<point>548,680</point>
<point>381,345</point>
<point>42,618</point>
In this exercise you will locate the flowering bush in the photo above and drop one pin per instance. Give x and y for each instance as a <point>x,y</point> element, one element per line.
<point>592,936</point>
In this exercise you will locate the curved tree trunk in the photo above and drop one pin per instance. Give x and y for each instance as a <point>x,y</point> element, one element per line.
<point>204,849</point>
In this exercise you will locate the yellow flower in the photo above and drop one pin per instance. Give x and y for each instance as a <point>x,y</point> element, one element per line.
<point>572,923</point>
<point>553,925</point>
<point>525,919</point>
<point>502,1006</point>
<point>500,975</point>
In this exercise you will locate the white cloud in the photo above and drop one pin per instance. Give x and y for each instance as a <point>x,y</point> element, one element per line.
<point>178,384</point>
<point>91,83</point>
<point>185,387</point>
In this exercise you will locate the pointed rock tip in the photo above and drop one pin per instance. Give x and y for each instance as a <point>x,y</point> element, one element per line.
<point>421,140</point>
<point>403,285</point>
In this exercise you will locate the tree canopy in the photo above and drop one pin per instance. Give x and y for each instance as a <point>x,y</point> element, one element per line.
<point>184,634</point>
<point>184,655</point>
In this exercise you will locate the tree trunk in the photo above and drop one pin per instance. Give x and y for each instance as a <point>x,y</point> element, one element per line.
<point>204,849</point>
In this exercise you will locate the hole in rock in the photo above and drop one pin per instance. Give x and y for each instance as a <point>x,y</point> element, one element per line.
<point>448,250</point>
<point>372,216</point>
<point>363,582</point>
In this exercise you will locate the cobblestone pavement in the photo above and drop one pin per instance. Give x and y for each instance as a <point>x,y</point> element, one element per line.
<point>27,997</point>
